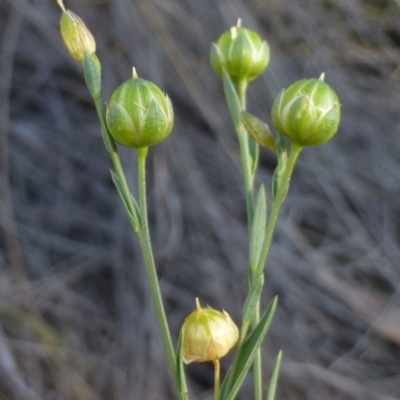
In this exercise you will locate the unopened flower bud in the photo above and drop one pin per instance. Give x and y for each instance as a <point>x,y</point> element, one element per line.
<point>75,34</point>
<point>308,112</point>
<point>208,335</point>
<point>139,114</point>
<point>241,52</point>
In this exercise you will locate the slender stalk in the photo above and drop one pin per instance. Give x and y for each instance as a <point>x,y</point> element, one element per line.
<point>216,379</point>
<point>144,234</point>
<point>248,180</point>
<point>277,204</point>
<point>245,156</point>
<point>145,243</point>
<point>242,88</point>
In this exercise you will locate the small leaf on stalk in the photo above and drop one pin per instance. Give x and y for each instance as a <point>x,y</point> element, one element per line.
<point>92,72</point>
<point>257,230</point>
<point>254,150</point>
<point>232,100</point>
<point>258,130</point>
<point>246,353</point>
<point>132,212</point>
<point>180,372</point>
<point>274,378</point>
<point>250,304</point>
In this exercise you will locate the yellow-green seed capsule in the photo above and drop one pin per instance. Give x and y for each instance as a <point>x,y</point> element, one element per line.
<point>75,34</point>
<point>241,52</point>
<point>308,112</point>
<point>208,335</point>
<point>139,114</point>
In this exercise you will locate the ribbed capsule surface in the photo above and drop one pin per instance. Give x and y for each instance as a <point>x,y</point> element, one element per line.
<point>308,112</point>
<point>241,52</point>
<point>139,114</point>
<point>208,335</point>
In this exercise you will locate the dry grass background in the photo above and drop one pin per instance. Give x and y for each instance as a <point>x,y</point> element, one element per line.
<point>76,321</point>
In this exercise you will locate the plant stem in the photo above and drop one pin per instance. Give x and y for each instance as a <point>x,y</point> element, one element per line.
<point>277,204</point>
<point>144,238</point>
<point>248,179</point>
<point>144,235</point>
<point>245,156</point>
<point>216,379</point>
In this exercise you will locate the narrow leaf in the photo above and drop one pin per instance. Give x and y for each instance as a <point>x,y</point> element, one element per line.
<point>92,72</point>
<point>281,152</point>
<point>274,378</point>
<point>180,371</point>
<point>135,210</point>
<point>250,305</point>
<point>246,353</point>
<point>232,100</point>
<point>133,214</point>
<point>258,130</point>
<point>257,230</point>
<point>281,149</point>
<point>107,140</point>
<point>254,150</point>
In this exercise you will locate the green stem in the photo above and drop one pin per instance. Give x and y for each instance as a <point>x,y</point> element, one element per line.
<point>257,363</point>
<point>277,204</point>
<point>242,88</point>
<point>216,379</point>
<point>245,156</point>
<point>248,180</point>
<point>144,235</point>
<point>144,238</point>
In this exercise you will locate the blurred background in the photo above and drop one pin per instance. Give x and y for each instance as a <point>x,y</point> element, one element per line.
<point>76,320</point>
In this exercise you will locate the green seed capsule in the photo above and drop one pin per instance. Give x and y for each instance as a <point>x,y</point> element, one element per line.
<point>208,335</point>
<point>241,52</point>
<point>308,112</point>
<point>139,114</point>
<point>75,34</point>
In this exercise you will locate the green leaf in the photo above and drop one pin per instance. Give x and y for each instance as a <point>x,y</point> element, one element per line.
<point>250,305</point>
<point>133,213</point>
<point>281,149</point>
<point>92,72</point>
<point>179,371</point>
<point>274,378</point>
<point>257,229</point>
<point>258,130</point>
<point>107,140</point>
<point>232,100</point>
<point>246,353</point>
<point>254,150</point>
<point>281,152</point>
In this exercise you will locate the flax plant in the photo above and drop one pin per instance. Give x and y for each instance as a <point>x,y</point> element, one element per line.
<point>139,115</point>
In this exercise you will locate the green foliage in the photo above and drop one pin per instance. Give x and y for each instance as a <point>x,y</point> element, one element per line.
<point>274,379</point>
<point>257,231</point>
<point>92,72</point>
<point>128,201</point>
<point>232,100</point>
<point>180,370</point>
<point>245,355</point>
